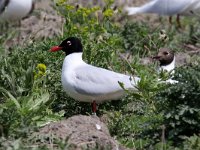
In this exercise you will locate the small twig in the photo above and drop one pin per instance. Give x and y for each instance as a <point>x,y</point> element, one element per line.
<point>163,134</point>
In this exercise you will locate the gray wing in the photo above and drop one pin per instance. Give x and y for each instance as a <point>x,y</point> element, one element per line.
<point>3,4</point>
<point>170,7</point>
<point>92,80</point>
<point>192,9</point>
<point>162,7</point>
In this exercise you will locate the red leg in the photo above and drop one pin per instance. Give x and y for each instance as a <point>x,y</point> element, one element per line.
<point>170,20</point>
<point>178,21</point>
<point>94,107</point>
<point>19,34</point>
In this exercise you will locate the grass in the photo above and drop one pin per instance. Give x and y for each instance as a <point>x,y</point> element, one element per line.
<point>31,93</point>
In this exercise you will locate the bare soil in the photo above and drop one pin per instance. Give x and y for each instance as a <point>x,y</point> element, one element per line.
<point>80,132</point>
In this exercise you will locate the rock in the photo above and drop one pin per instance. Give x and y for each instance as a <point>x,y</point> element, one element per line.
<point>182,58</point>
<point>81,132</point>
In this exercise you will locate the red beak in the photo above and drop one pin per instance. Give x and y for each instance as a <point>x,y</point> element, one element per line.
<point>55,48</point>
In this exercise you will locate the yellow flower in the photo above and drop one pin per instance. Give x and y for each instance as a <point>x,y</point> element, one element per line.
<point>108,13</point>
<point>69,7</point>
<point>42,68</point>
<point>40,71</point>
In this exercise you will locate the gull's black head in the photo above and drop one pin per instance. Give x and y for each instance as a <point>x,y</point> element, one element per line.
<point>165,56</point>
<point>69,46</point>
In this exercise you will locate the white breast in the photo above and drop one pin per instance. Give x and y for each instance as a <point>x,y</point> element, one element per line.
<point>169,67</point>
<point>68,74</point>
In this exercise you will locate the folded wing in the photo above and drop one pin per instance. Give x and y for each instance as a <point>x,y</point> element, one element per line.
<point>92,80</point>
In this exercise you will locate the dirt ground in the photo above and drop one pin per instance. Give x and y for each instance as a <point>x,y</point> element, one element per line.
<point>81,132</point>
<point>43,23</point>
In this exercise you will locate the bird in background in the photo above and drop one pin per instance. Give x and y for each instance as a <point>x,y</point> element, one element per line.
<point>168,8</point>
<point>166,59</point>
<point>15,10</point>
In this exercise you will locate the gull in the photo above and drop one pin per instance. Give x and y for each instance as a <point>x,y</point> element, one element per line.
<point>168,8</point>
<point>166,58</point>
<point>193,9</point>
<point>15,10</point>
<point>88,83</point>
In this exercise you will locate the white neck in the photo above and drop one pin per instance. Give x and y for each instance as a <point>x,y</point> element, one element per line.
<point>169,67</point>
<point>72,60</point>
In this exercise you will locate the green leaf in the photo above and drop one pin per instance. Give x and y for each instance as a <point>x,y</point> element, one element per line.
<point>11,97</point>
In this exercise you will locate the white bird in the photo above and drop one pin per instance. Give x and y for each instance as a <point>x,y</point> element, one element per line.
<point>87,83</point>
<point>15,10</point>
<point>168,8</point>
<point>193,9</point>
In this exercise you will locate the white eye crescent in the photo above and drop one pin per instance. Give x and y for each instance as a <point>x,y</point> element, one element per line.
<point>69,43</point>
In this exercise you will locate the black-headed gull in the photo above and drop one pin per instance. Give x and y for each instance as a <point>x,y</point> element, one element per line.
<point>15,10</point>
<point>167,7</point>
<point>166,58</point>
<point>88,83</point>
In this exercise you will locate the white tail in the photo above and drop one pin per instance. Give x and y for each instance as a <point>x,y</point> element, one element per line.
<point>132,10</point>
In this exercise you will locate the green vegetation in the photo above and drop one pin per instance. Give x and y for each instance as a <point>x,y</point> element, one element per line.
<point>158,116</point>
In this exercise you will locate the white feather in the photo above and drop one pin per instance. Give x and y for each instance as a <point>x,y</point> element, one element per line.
<point>164,7</point>
<point>170,67</point>
<point>88,83</point>
<point>16,10</point>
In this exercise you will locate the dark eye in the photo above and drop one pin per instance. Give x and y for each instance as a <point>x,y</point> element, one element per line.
<point>165,53</point>
<point>69,43</point>
<point>162,32</point>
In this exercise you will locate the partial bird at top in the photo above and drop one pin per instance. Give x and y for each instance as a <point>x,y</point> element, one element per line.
<point>168,7</point>
<point>15,10</point>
